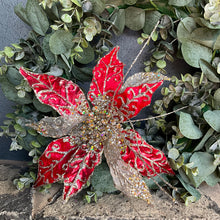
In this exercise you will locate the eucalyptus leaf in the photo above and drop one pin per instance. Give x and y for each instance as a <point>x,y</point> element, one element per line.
<point>130,2</point>
<point>86,56</point>
<point>179,3</point>
<point>216,99</point>
<point>41,107</point>
<point>194,192</point>
<point>187,127</point>
<point>13,76</point>
<point>98,6</point>
<point>101,179</point>
<point>60,42</point>
<point>194,52</point>
<point>212,179</point>
<point>66,18</point>
<point>37,17</point>
<point>204,162</point>
<point>213,119</point>
<point>118,19</point>
<point>11,93</point>
<point>51,59</point>
<point>134,18</point>
<point>217,43</point>
<point>205,23</point>
<point>151,19</point>
<point>21,13</point>
<point>201,144</point>
<point>83,74</point>
<point>206,37</point>
<point>161,64</point>
<point>173,153</point>
<point>209,71</point>
<point>151,182</point>
<point>185,28</point>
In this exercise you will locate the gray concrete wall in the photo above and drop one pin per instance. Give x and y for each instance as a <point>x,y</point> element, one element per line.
<point>11,30</point>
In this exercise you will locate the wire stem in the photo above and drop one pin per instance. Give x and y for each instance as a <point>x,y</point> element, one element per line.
<point>140,52</point>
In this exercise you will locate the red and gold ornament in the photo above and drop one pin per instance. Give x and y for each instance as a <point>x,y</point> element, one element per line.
<point>84,133</point>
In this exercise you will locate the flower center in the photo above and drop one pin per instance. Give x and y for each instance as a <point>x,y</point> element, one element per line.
<point>101,123</point>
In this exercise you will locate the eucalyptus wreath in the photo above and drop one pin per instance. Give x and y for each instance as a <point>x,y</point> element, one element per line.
<point>67,36</point>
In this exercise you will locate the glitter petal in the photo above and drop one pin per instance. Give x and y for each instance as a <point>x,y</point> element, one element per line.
<point>61,94</point>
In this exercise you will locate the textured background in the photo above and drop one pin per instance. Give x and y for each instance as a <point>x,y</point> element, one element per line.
<point>12,29</point>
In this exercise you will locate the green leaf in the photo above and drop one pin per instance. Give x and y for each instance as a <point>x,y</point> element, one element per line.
<point>173,153</point>
<point>98,6</point>
<point>21,13</point>
<point>151,19</point>
<point>101,179</point>
<point>206,37</point>
<point>86,56</point>
<point>194,52</point>
<point>155,36</point>
<point>76,2</point>
<point>187,127</point>
<point>204,162</point>
<point>118,20</point>
<point>9,52</point>
<point>51,59</point>
<point>11,93</point>
<point>130,2</point>
<point>204,139</point>
<point>37,17</point>
<point>213,119</point>
<point>35,144</point>
<point>134,18</point>
<point>161,64</point>
<point>83,74</point>
<point>41,107</point>
<point>209,71</point>
<point>185,28</point>
<point>152,185</point>
<point>179,3</point>
<point>212,179</point>
<point>19,128</point>
<point>194,192</point>
<point>13,76</point>
<point>205,23</point>
<point>216,99</point>
<point>217,43</point>
<point>61,41</point>
<point>66,18</point>
<point>159,54</point>
<point>78,49</point>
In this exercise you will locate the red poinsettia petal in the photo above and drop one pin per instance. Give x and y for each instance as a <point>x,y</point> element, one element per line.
<point>148,160</point>
<point>133,99</point>
<point>81,166</point>
<point>107,76</point>
<point>61,94</point>
<point>53,163</point>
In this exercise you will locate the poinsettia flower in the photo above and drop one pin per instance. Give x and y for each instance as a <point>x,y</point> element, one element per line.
<point>84,133</point>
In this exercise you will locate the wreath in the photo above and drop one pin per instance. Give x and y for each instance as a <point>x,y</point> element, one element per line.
<point>40,74</point>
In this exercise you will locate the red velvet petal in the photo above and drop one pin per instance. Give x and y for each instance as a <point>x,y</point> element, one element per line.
<point>63,95</point>
<point>133,99</point>
<point>148,160</point>
<point>53,163</point>
<point>81,166</point>
<point>107,76</point>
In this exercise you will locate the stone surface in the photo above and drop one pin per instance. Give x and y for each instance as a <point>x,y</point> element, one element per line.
<point>16,205</point>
